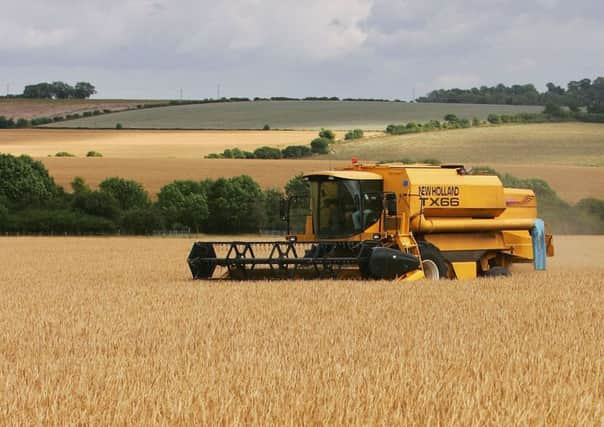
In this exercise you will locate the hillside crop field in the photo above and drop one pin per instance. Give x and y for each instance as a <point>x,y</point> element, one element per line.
<point>578,144</point>
<point>114,331</point>
<point>341,115</point>
<point>30,108</point>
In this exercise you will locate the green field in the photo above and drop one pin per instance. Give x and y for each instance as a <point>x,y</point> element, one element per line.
<point>578,144</point>
<point>289,115</point>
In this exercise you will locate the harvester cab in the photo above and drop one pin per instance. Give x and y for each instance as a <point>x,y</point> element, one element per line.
<point>393,221</point>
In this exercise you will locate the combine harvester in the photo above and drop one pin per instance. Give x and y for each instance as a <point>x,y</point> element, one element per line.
<point>393,222</point>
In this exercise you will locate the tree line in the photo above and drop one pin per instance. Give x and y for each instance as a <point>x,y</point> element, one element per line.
<point>319,145</point>
<point>31,202</point>
<point>585,93</point>
<point>58,90</point>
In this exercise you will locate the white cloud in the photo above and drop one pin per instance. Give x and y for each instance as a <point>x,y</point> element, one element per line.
<point>341,47</point>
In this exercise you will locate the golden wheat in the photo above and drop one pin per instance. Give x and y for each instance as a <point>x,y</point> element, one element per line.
<point>113,331</point>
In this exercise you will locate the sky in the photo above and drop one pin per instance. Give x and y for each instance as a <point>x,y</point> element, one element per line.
<point>149,49</point>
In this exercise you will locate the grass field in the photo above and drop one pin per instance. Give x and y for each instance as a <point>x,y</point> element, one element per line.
<point>290,115</point>
<point>113,331</point>
<point>30,108</point>
<point>579,144</point>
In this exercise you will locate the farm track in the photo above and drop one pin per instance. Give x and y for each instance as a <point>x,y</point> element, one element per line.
<point>113,331</point>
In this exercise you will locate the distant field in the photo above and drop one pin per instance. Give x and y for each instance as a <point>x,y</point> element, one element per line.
<point>30,108</point>
<point>557,153</point>
<point>289,114</point>
<point>571,182</point>
<point>579,144</point>
<point>144,144</point>
<point>113,331</point>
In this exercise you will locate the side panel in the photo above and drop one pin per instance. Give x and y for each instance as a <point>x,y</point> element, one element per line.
<point>464,270</point>
<point>459,247</point>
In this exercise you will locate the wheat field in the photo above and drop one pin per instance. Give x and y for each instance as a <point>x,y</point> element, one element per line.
<point>145,144</point>
<point>572,183</point>
<point>112,331</point>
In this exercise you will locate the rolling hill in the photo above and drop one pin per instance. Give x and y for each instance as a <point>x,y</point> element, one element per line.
<point>288,115</point>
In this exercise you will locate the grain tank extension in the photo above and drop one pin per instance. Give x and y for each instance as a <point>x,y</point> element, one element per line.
<point>393,222</point>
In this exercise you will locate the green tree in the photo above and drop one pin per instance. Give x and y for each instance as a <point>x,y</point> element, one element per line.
<point>129,194</point>
<point>83,90</point>
<point>267,153</point>
<point>272,208</point>
<point>3,217</point>
<point>6,123</point>
<point>553,110</point>
<point>142,221</point>
<point>319,146</point>
<point>39,91</point>
<point>194,212</point>
<point>22,123</point>
<point>494,119</point>
<point>592,206</point>
<point>25,182</point>
<point>61,90</point>
<point>296,152</point>
<point>96,203</point>
<point>235,205</point>
<point>298,186</point>
<point>327,134</point>
<point>184,203</point>
<point>354,134</point>
<point>78,185</point>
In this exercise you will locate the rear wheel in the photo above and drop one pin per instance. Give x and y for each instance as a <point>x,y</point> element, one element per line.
<point>433,262</point>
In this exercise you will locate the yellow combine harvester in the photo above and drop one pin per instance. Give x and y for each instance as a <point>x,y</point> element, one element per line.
<point>393,221</point>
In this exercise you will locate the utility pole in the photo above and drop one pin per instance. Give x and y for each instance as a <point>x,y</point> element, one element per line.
<point>413,94</point>
<point>181,94</point>
<point>218,91</point>
<point>7,89</point>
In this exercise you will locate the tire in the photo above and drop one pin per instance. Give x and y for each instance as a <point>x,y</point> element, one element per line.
<point>433,262</point>
<point>497,271</point>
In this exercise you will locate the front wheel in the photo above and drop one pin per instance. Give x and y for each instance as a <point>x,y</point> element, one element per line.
<point>433,262</point>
